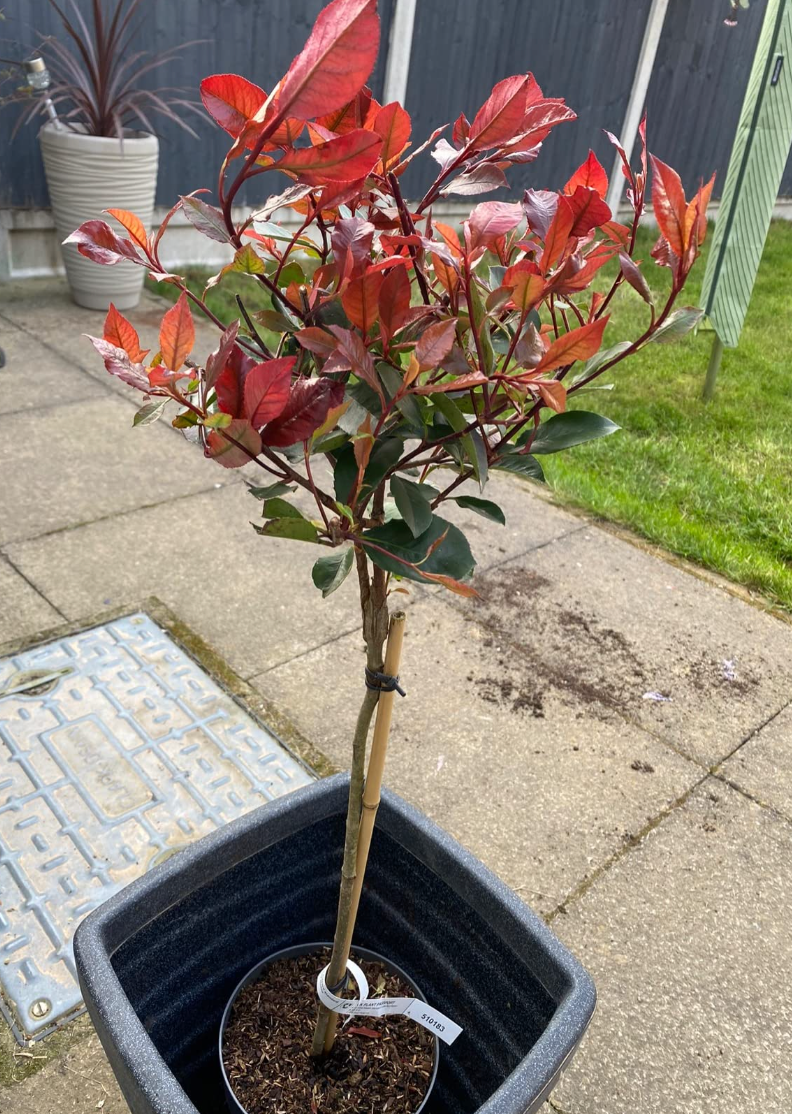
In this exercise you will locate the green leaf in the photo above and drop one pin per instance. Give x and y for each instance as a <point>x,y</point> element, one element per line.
<point>412,503</point>
<point>496,276</point>
<point>384,455</point>
<point>484,507</point>
<point>218,420</point>
<point>330,442</point>
<point>481,325</point>
<point>184,420</point>
<point>451,558</point>
<point>564,431</point>
<point>477,455</point>
<point>353,417</point>
<point>270,491</point>
<point>472,443</point>
<point>279,508</point>
<point>150,412</point>
<point>681,322</point>
<point>408,406</point>
<point>274,321</point>
<point>600,358</point>
<point>300,529</point>
<point>521,466</point>
<point>330,572</point>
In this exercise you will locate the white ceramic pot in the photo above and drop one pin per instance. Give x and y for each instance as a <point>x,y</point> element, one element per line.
<point>89,173</point>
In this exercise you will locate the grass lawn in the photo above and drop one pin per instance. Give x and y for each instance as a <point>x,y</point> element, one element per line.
<point>710,482</point>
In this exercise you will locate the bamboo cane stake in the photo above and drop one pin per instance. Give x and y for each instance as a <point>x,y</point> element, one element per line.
<point>373,786</point>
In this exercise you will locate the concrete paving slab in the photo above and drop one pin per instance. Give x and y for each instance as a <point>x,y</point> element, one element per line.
<point>33,377</point>
<point>529,782</point>
<point>80,1081</point>
<point>763,766</point>
<point>251,598</point>
<point>631,632</point>
<point>22,610</point>
<point>45,311</point>
<point>687,938</point>
<point>75,463</point>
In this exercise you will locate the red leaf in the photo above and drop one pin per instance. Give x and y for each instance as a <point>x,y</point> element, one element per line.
<point>177,334</point>
<point>481,178</point>
<point>394,302</point>
<point>540,119</point>
<point>121,333</point>
<point>553,394</point>
<point>360,299</point>
<point>435,344</point>
<point>134,225</point>
<point>96,240</point>
<point>118,363</point>
<point>578,344</point>
<point>461,130</point>
<point>343,159</point>
<point>668,201</point>
<point>266,390</point>
<point>220,444</point>
<point>540,207</point>
<point>216,361</point>
<point>526,284</point>
<point>317,340</point>
<point>557,235</point>
<point>589,210</point>
<point>461,383</point>
<point>492,219</point>
<point>353,353</point>
<point>351,242</point>
<point>309,403</point>
<point>591,174</point>
<point>696,215</point>
<point>392,124</point>
<point>634,276</point>
<point>230,385</point>
<point>500,117</point>
<point>355,114</point>
<point>335,62</point>
<point>231,100</point>
<point>451,238</point>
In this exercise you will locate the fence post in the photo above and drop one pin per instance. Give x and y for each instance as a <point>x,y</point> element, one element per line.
<point>397,67</point>
<point>635,105</point>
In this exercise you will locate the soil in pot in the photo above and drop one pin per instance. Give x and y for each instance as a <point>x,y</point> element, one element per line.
<point>382,1064</point>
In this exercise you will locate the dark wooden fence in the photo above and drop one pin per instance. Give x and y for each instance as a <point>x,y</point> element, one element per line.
<point>584,50</point>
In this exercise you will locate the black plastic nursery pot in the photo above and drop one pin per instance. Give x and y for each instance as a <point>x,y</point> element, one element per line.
<point>233,1105</point>
<point>159,962</point>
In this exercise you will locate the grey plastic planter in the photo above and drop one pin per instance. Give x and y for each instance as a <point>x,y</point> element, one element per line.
<point>85,175</point>
<point>158,962</point>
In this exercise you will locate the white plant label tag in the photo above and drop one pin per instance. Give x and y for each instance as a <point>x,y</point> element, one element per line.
<point>436,1022</point>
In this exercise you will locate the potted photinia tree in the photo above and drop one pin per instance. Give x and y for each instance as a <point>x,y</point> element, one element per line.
<point>401,359</point>
<point>98,144</point>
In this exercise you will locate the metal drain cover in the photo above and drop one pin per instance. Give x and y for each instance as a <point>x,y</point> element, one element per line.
<point>116,750</point>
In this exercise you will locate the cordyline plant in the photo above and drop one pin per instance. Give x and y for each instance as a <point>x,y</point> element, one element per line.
<point>96,74</point>
<point>409,356</point>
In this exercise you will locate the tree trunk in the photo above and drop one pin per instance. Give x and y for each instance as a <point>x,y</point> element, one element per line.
<point>374,603</point>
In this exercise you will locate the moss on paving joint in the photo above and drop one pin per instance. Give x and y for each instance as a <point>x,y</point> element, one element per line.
<point>18,1064</point>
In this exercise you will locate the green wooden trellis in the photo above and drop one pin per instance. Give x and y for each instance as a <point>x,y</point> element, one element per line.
<point>761,148</point>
